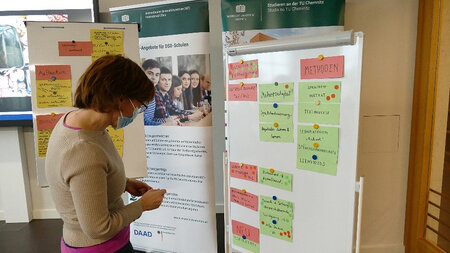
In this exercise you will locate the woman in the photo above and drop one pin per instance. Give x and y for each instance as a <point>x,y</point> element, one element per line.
<point>196,88</point>
<point>187,89</point>
<point>85,173</point>
<point>176,92</point>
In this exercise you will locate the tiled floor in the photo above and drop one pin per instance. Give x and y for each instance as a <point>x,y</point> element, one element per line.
<point>44,236</point>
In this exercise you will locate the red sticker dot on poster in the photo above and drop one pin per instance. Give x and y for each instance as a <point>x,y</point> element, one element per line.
<point>262,222</point>
<point>333,95</point>
<point>281,234</point>
<point>336,87</point>
<point>328,98</point>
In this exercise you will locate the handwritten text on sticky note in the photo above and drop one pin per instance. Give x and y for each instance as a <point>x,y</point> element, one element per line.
<point>276,92</point>
<point>275,178</point>
<point>276,113</point>
<point>244,171</point>
<point>106,42</point>
<point>276,218</point>
<point>325,92</point>
<point>47,121</point>
<point>53,72</point>
<point>117,138</point>
<point>243,70</point>
<point>75,48</point>
<point>246,92</point>
<point>283,132</point>
<point>251,233</point>
<point>321,114</point>
<point>328,67</point>
<point>244,198</point>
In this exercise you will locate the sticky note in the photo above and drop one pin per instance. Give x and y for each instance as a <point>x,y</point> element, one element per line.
<point>56,93</point>
<point>243,70</point>
<point>251,233</point>
<point>245,171</point>
<point>277,178</point>
<point>328,67</point>
<point>276,218</point>
<point>276,93</point>
<point>53,72</point>
<point>75,48</point>
<point>324,92</point>
<point>244,199</point>
<point>106,42</point>
<point>280,113</point>
<point>246,92</point>
<point>42,141</point>
<point>322,159</point>
<point>117,138</point>
<point>47,121</point>
<point>283,133</point>
<point>45,125</point>
<point>246,244</point>
<point>321,114</point>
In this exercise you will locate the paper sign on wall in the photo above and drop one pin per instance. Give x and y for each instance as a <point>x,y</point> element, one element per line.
<point>275,178</point>
<point>244,171</point>
<point>245,92</point>
<point>328,67</point>
<point>245,236</point>
<point>106,42</point>
<point>244,198</point>
<point>75,48</point>
<point>117,138</point>
<point>45,125</point>
<point>276,218</point>
<point>320,114</point>
<point>279,132</point>
<point>317,149</point>
<point>276,92</point>
<point>243,70</point>
<point>276,113</point>
<point>53,86</point>
<point>319,91</point>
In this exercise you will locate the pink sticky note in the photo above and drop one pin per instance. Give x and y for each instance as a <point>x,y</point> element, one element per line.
<point>328,67</point>
<point>246,92</point>
<point>244,198</point>
<point>75,48</point>
<point>246,171</point>
<point>45,122</point>
<point>246,69</point>
<point>53,72</point>
<point>241,229</point>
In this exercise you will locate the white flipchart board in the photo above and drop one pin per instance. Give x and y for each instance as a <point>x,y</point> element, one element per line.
<point>43,40</point>
<point>323,205</point>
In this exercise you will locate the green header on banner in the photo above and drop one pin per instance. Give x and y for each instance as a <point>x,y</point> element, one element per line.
<point>167,19</point>
<point>273,14</point>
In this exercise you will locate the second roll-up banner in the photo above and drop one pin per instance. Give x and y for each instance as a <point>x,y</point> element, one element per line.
<point>174,51</point>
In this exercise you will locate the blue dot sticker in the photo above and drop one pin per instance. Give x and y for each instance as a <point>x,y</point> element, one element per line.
<point>275,105</point>
<point>53,78</point>
<point>244,237</point>
<point>274,197</point>
<point>226,138</point>
<point>274,222</point>
<point>314,157</point>
<point>276,83</point>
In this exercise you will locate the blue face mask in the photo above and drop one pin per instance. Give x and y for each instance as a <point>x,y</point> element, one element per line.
<point>125,121</point>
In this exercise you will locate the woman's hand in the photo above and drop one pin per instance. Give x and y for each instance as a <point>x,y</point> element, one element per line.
<point>152,199</point>
<point>136,187</point>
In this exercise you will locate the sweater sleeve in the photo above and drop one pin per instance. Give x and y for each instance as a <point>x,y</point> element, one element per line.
<point>85,171</point>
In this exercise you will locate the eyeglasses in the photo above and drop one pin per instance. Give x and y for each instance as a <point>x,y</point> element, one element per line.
<point>141,109</point>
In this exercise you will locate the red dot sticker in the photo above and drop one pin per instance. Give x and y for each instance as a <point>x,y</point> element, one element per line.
<point>286,86</point>
<point>262,222</point>
<point>336,87</point>
<point>284,233</point>
<point>281,234</point>
<point>333,95</point>
<point>253,172</point>
<point>328,98</point>
<point>289,236</point>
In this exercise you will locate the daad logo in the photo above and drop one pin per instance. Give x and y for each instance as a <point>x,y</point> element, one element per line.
<point>240,8</point>
<point>125,18</point>
<point>143,233</point>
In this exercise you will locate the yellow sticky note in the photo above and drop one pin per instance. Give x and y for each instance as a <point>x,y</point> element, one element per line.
<point>57,93</point>
<point>42,141</point>
<point>106,42</point>
<point>117,138</point>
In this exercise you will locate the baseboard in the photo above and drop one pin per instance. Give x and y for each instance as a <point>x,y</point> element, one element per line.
<point>219,208</point>
<point>46,214</point>
<point>390,248</point>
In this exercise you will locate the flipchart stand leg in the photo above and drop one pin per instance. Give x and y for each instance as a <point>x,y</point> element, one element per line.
<point>360,190</point>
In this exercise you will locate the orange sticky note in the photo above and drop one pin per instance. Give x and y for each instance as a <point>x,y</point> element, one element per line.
<point>247,92</point>
<point>53,72</point>
<point>329,67</point>
<point>244,199</point>
<point>251,233</point>
<point>75,48</point>
<point>45,122</point>
<point>244,171</point>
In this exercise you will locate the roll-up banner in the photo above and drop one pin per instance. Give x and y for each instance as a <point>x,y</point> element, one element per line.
<point>174,51</point>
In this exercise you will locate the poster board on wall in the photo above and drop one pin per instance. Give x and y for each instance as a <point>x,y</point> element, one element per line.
<point>292,170</point>
<point>45,51</point>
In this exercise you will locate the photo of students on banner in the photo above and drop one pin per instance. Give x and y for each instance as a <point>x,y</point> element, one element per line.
<point>183,98</point>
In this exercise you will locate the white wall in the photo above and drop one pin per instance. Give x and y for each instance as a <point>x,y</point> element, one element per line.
<point>387,90</point>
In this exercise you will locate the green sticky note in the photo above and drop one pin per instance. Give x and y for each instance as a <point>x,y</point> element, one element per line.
<point>321,157</point>
<point>320,114</point>
<point>276,178</point>
<point>325,92</point>
<point>245,243</point>
<point>276,113</point>
<point>282,92</point>
<point>280,207</point>
<point>284,132</point>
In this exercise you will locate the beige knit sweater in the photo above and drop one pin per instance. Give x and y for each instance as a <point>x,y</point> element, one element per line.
<point>86,177</point>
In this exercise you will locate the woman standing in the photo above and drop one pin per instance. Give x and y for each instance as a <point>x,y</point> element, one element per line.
<point>85,173</point>
<point>187,89</point>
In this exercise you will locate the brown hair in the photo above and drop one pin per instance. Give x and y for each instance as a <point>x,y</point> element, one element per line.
<point>110,77</point>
